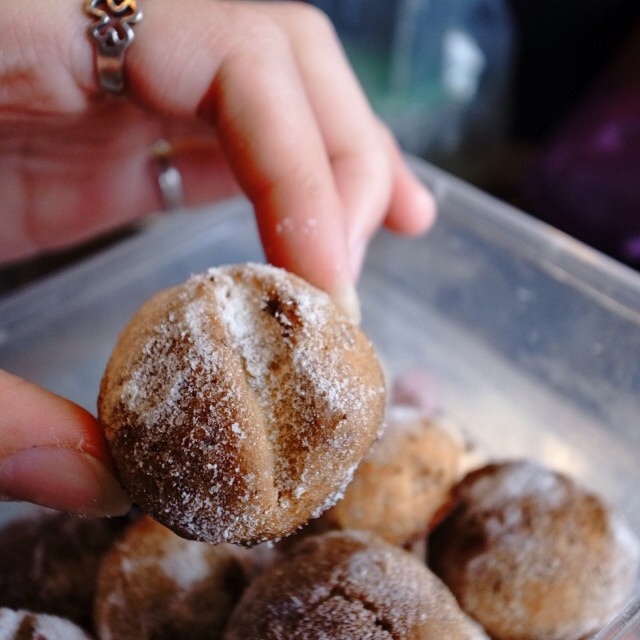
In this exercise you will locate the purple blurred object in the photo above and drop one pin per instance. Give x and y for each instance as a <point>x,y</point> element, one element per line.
<point>586,181</point>
<point>416,387</point>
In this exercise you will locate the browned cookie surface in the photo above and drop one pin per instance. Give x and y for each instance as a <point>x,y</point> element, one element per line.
<point>155,585</point>
<point>404,481</point>
<point>531,554</point>
<point>49,562</point>
<point>346,585</point>
<point>238,404</point>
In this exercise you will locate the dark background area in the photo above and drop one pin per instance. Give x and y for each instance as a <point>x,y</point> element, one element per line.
<point>564,47</point>
<point>576,112</point>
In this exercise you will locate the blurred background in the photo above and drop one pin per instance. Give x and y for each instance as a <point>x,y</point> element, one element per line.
<point>536,102</point>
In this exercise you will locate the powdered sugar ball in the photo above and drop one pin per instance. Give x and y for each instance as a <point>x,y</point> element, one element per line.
<point>404,481</point>
<point>349,585</point>
<point>530,554</point>
<point>25,625</point>
<point>238,404</point>
<point>154,584</point>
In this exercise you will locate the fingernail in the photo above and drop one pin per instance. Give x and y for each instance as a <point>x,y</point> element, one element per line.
<point>64,479</point>
<point>426,204</point>
<point>346,298</point>
<point>356,257</point>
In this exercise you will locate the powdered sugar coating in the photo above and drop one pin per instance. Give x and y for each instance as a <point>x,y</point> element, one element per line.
<point>24,625</point>
<point>347,585</point>
<point>186,565</point>
<point>237,404</point>
<point>154,584</point>
<point>49,562</point>
<point>530,554</point>
<point>404,481</point>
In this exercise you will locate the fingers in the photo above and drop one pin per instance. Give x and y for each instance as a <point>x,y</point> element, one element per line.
<point>268,130</point>
<point>412,207</point>
<point>371,177</point>
<point>71,177</point>
<point>246,82</point>
<point>360,163</point>
<point>293,125</point>
<point>52,453</point>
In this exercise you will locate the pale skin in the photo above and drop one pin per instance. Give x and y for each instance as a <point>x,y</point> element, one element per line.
<point>256,98</point>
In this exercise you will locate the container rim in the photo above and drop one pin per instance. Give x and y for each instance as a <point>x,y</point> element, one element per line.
<point>566,258</point>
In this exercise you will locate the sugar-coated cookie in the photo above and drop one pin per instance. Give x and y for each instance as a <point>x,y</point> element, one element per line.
<point>49,562</point>
<point>345,585</point>
<point>25,625</point>
<point>531,554</point>
<point>154,585</point>
<point>237,405</point>
<point>404,482</point>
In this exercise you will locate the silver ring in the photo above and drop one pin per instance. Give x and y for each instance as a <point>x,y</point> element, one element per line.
<point>167,175</point>
<point>112,32</point>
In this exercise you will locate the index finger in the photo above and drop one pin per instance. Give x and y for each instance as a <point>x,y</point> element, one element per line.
<point>234,66</point>
<point>277,152</point>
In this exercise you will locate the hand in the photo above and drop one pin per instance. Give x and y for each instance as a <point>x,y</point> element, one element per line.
<point>262,99</point>
<point>52,453</point>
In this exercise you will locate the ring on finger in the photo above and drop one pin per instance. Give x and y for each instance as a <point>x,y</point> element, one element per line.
<point>112,32</point>
<point>167,175</point>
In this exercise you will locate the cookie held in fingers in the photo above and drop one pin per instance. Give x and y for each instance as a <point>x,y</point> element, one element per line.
<point>237,405</point>
<point>531,554</point>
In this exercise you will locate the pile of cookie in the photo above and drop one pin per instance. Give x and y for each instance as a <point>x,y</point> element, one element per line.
<point>244,413</point>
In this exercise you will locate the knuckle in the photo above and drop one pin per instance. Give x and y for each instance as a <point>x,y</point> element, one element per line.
<point>375,156</point>
<point>377,164</point>
<point>314,20</point>
<point>262,33</point>
<point>386,136</point>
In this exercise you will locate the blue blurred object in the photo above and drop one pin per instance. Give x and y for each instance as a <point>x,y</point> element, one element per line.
<point>438,71</point>
<point>367,21</point>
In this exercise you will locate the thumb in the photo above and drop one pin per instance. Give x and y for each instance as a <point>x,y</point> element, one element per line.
<point>52,452</point>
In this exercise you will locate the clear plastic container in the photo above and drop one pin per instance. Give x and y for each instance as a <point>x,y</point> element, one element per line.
<point>534,339</point>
